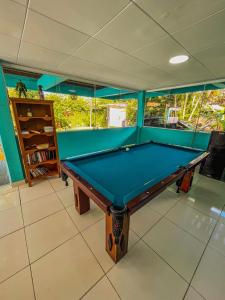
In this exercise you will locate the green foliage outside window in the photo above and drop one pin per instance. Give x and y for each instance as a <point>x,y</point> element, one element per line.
<point>73,111</point>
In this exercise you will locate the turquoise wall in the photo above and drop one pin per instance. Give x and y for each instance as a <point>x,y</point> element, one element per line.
<point>8,135</point>
<point>198,140</point>
<point>72,143</point>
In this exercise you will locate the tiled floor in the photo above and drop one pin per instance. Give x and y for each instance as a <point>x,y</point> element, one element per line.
<point>49,252</point>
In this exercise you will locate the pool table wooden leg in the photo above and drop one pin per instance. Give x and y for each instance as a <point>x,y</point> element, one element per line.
<point>82,201</point>
<point>117,234</point>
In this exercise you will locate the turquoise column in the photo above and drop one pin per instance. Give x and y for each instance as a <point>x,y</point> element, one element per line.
<point>8,135</point>
<point>140,113</point>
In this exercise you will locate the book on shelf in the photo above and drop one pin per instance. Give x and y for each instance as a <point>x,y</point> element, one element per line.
<point>40,156</point>
<point>39,171</point>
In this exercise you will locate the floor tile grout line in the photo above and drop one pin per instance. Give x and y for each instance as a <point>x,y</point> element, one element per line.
<point>59,245</point>
<point>197,209</point>
<point>20,270</point>
<point>183,229</point>
<point>80,230</point>
<point>2,237</point>
<point>162,216</point>
<point>25,226</point>
<point>31,274</point>
<point>81,233</point>
<point>200,211</point>
<point>86,228</point>
<point>36,198</point>
<point>41,219</point>
<point>65,187</point>
<point>195,291</point>
<point>91,287</point>
<point>200,259</point>
<point>131,247</point>
<point>163,259</point>
<point>42,256</point>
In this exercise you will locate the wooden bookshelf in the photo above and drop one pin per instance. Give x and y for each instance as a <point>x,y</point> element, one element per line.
<point>31,116</point>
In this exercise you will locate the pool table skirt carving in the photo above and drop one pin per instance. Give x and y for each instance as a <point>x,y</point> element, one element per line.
<point>118,219</point>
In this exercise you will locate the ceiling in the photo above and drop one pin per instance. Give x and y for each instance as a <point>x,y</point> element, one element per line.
<point>119,43</point>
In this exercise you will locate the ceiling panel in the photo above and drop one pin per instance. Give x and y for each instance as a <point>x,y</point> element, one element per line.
<point>214,59</point>
<point>130,30</point>
<point>12,16</point>
<point>190,71</point>
<point>88,16</point>
<point>88,70</point>
<point>100,53</point>
<point>176,15</point>
<point>160,52</point>
<point>9,48</point>
<point>34,56</point>
<point>47,33</point>
<point>204,34</point>
<point>117,42</point>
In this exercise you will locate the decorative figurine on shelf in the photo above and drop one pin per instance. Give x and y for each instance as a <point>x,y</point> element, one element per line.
<point>29,112</point>
<point>41,93</point>
<point>21,89</point>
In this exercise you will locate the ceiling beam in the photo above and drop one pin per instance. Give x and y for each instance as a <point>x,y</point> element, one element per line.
<point>49,81</point>
<point>109,92</point>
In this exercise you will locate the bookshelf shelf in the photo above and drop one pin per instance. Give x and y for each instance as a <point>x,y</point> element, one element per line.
<point>31,116</point>
<point>25,119</point>
<point>30,151</point>
<point>50,161</point>
<point>30,135</point>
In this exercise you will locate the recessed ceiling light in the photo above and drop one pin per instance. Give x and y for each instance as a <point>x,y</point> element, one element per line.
<point>178,59</point>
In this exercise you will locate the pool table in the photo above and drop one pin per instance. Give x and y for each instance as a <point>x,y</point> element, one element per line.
<point>120,181</point>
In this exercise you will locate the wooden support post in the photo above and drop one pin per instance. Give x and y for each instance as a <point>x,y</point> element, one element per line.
<point>117,233</point>
<point>82,201</point>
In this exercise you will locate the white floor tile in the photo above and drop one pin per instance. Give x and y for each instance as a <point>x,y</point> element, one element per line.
<point>164,201</point>
<point>141,274</point>
<point>7,188</point>
<point>95,237</point>
<point>193,295</point>
<point>18,287</point>
<point>101,291</point>
<point>210,276</point>
<point>217,240</point>
<point>67,196</point>
<point>179,249</point>
<point>89,218</point>
<point>67,272</point>
<point>40,188</point>
<point>45,235</point>
<point>58,184</point>
<point>193,221</point>
<point>209,206</point>
<point>9,200</point>
<point>40,208</point>
<point>142,220</point>
<point>10,220</point>
<point>13,254</point>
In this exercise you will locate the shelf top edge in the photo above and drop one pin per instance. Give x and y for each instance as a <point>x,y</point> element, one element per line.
<point>31,101</point>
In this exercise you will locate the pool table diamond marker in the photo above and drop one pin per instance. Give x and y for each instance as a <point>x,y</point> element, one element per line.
<point>120,181</point>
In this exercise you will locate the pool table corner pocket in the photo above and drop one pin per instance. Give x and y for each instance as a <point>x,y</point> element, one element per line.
<point>117,232</point>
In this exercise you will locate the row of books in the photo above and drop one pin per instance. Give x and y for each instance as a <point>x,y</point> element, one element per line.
<point>38,171</point>
<point>40,156</point>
